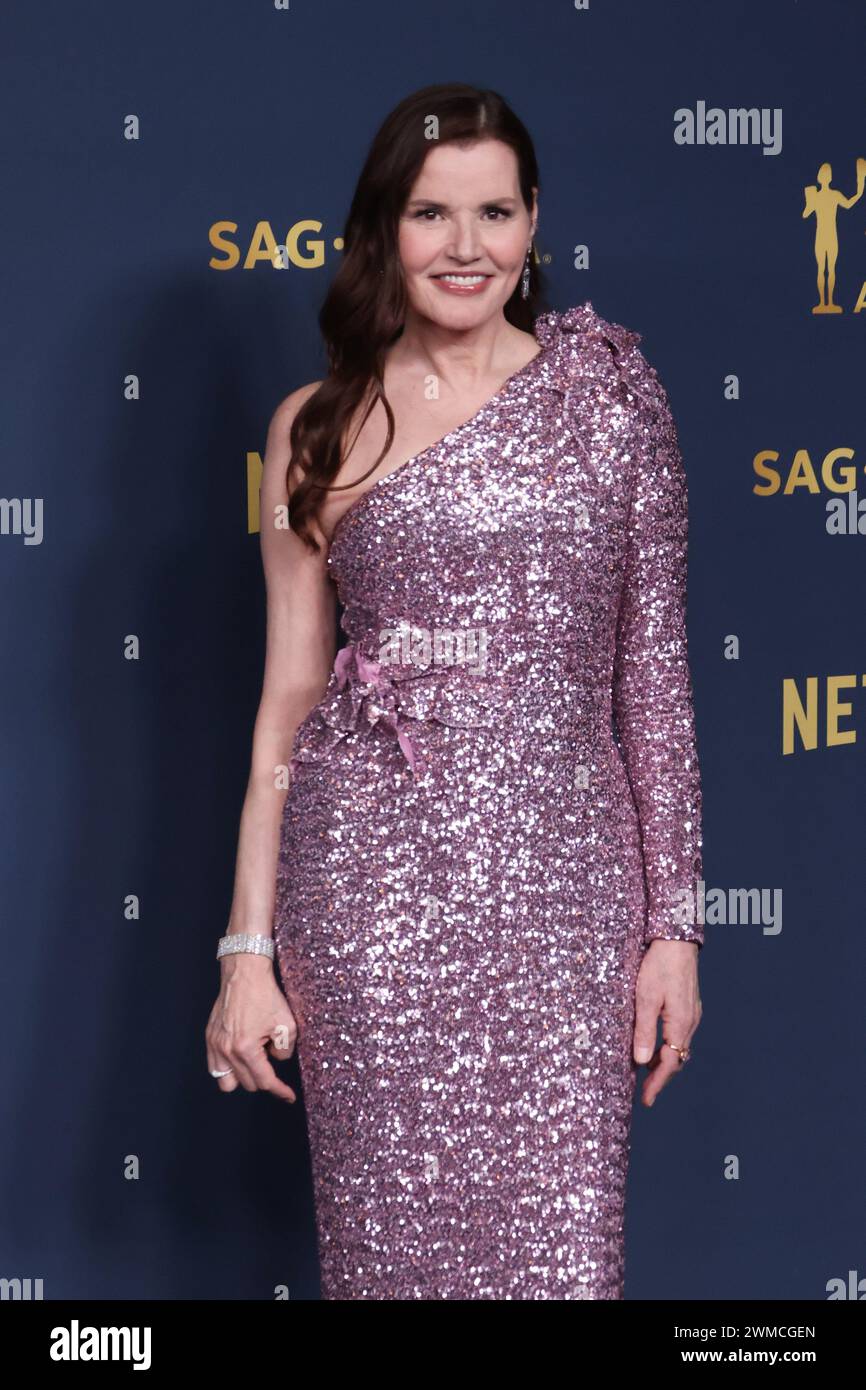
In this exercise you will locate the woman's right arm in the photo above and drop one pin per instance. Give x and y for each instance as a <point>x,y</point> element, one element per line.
<point>300,647</point>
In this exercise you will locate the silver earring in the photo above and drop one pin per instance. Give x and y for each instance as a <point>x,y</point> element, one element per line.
<point>524,288</point>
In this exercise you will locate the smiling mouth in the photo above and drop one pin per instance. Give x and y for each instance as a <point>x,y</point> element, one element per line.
<point>454,278</point>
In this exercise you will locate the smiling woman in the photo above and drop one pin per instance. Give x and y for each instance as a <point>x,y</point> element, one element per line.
<point>422,210</point>
<point>413,350</point>
<point>468,873</point>
<point>466,247</point>
<point>449,359</point>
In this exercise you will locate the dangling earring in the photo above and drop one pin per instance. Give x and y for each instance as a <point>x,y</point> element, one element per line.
<point>524,288</point>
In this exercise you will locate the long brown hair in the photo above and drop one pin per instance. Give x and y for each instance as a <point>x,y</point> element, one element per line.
<point>364,309</point>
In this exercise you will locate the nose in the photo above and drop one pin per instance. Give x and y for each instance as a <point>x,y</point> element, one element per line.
<point>466,242</point>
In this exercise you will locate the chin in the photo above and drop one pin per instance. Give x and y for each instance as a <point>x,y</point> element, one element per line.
<point>459,312</point>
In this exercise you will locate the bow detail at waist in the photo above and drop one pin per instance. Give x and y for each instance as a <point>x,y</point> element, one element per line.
<point>363,693</point>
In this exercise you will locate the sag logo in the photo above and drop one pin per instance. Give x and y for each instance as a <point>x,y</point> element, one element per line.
<point>298,249</point>
<point>822,201</point>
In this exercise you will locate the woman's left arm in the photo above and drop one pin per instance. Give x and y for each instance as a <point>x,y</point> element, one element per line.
<point>653,708</point>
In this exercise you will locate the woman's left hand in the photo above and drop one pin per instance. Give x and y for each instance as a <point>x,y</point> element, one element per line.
<point>667,987</point>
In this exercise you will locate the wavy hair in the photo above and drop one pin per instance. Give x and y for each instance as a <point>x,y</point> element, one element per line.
<point>364,310</point>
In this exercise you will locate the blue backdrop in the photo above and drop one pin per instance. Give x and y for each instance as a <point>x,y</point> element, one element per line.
<point>136,516</point>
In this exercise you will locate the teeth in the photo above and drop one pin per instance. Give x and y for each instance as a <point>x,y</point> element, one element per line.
<point>462,279</point>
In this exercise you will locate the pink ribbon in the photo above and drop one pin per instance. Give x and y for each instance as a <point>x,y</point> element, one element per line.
<point>371,673</point>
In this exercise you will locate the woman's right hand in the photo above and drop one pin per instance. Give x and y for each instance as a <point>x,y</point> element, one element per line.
<point>250,1018</point>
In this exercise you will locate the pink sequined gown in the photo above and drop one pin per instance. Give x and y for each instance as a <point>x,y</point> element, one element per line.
<point>471,862</point>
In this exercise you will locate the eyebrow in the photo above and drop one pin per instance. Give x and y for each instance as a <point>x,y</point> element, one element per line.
<point>432,202</point>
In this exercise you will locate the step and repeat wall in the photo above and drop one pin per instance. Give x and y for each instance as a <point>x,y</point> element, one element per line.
<point>702,181</point>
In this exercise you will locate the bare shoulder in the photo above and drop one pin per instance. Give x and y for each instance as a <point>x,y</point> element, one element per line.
<point>284,415</point>
<point>278,482</point>
<point>278,447</point>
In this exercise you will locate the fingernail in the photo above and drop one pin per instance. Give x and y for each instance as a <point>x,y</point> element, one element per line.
<point>643,1054</point>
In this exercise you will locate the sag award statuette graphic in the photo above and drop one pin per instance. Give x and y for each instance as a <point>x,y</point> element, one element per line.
<point>821,203</point>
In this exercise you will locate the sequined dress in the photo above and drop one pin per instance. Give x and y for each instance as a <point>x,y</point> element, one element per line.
<point>493,809</point>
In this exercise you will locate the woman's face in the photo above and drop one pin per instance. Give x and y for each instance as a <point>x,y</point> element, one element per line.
<point>464,217</point>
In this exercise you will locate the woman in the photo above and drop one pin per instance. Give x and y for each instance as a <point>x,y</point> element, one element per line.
<point>480,892</point>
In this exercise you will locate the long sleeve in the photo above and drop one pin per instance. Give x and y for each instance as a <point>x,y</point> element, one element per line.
<point>652,686</point>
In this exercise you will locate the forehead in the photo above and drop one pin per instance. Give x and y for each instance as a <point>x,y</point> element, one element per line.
<point>487,168</point>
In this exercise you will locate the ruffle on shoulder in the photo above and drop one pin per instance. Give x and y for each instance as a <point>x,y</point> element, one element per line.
<point>557,325</point>
<point>585,351</point>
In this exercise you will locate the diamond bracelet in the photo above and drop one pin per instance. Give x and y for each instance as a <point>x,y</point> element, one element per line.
<point>238,941</point>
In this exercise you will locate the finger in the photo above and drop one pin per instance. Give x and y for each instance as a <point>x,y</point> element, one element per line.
<point>239,1060</point>
<point>216,1061</point>
<point>667,1061</point>
<point>660,1074</point>
<point>646,1025</point>
<point>230,1081</point>
<point>266,1078</point>
<point>233,1055</point>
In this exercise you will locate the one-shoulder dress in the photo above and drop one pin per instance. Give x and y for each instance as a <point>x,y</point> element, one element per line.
<point>493,809</point>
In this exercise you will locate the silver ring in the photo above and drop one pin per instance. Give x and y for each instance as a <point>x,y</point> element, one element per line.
<point>222,1073</point>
